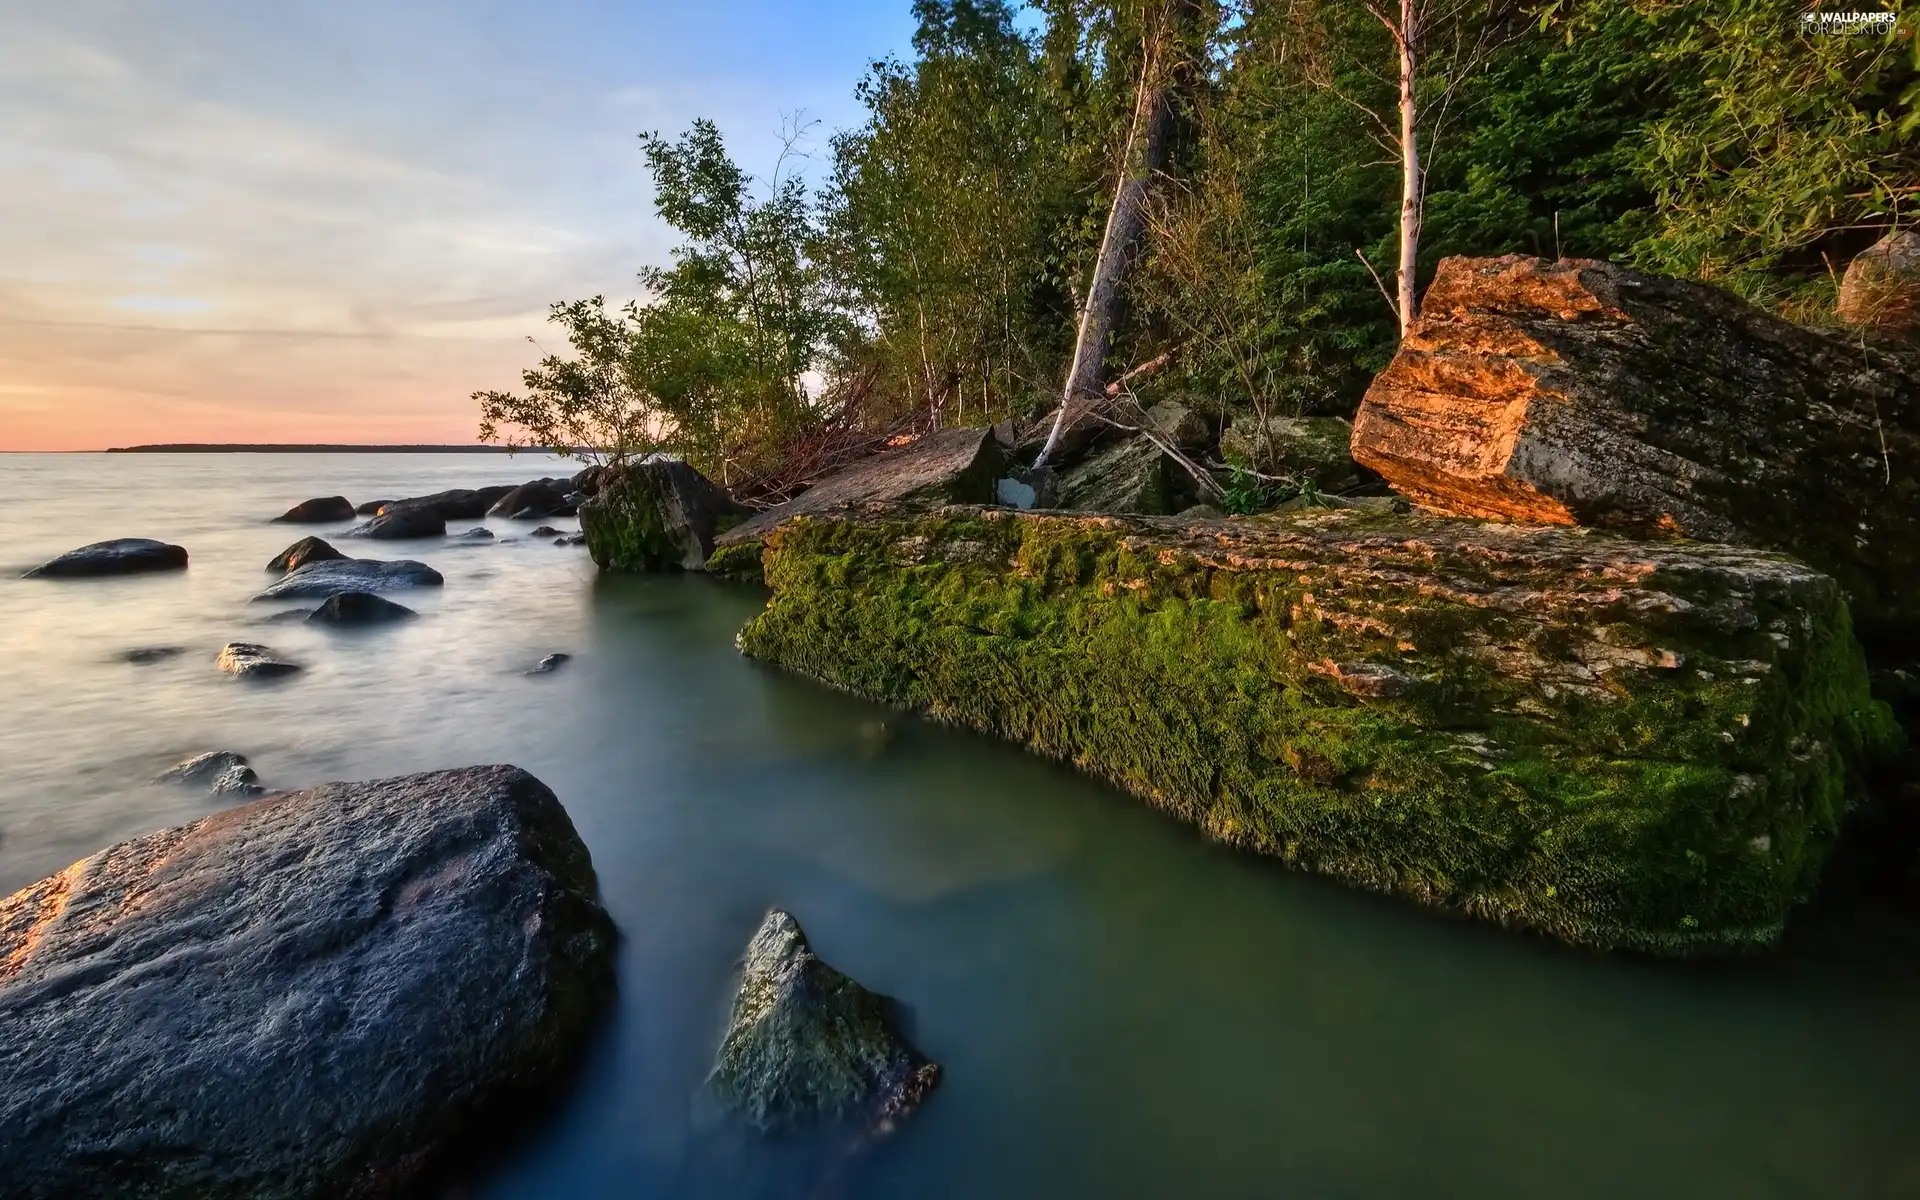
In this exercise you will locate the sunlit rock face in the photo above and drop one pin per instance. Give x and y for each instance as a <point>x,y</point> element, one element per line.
<point>1579,392</point>
<point>310,996</point>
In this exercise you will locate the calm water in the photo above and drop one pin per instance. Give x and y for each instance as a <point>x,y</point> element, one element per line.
<point>1122,1009</point>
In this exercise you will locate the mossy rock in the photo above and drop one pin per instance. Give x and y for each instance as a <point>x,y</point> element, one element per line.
<point>1315,448</point>
<point>1623,744</point>
<point>656,515</point>
<point>1134,476</point>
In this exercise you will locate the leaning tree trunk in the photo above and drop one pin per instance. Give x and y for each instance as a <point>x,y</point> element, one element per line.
<point>1408,37</point>
<point>1147,139</point>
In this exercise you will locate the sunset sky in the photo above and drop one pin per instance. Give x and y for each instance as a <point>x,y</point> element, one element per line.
<point>227,220</point>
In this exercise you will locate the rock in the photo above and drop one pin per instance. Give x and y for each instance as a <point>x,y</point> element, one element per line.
<point>398,521</point>
<point>531,501</point>
<point>358,608</point>
<point>306,550</point>
<point>571,539</point>
<point>545,531</point>
<point>121,556</point>
<point>371,508</point>
<point>250,660</point>
<point>953,466</point>
<point>204,770</point>
<point>656,515</point>
<point>146,655</point>
<point>323,994</point>
<point>320,579</point>
<point>587,480</point>
<point>1307,448</point>
<point>1083,431</point>
<point>1525,724</point>
<point>1133,476</point>
<point>1006,433</point>
<point>1881,289</point>
<point>548,665</point>
<point>1584,393</point>
<point>1201,512</point>
<point>479,533</point>
<point>456,504</point>
<point>1186,429</point>
<point>318,512</point>
<point>806,1045</point>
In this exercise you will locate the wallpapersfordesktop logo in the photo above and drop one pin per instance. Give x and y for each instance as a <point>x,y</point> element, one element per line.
<point>1847,24</point>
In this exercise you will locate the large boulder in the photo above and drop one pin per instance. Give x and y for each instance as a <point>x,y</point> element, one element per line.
<point>1881,289</point>
<point>806,1045</point>
<point>655,515</point>
<point>397,522</point>
<point>121,556</point>
<point>1133,476</point>
<point>322,578</point>
<point>533,501</point>
<point>302,552</point>
<point>318,511</point>
<point>953,466</point>
<point>1307,448</point>
<point>1580,393</point>
<point>1632,744</point>
<point>313,996</point>
<point>455,504</point>
<point>358,608</point>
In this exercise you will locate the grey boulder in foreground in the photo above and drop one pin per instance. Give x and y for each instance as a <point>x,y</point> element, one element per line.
<point>318,579</point>
<point>806,1044</point>
<point>314,995</point>
<point>121,556</point>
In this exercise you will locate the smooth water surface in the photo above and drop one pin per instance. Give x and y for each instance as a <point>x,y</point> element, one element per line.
<point>1122,1009</point>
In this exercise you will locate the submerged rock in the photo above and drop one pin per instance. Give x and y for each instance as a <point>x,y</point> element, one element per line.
<point>479,533</point>
<point>319,995</point>
<point>1620,743</point>
<point>545,531</point>
<point>250,660</point>
<point>142,656</point>
<point>805,1044</point>
<point>1580,393</point>
<point>306,550</point>
<point>121,556</point>
<point>656,515</point>
<point>358,608</point>
<point>549,664</point>
<point>320,579</point>
<point>399,521</point>
<point>318,511</point>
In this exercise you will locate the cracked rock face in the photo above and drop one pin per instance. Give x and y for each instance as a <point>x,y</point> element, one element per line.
<point>1580,393</point>
<point>308,996</point>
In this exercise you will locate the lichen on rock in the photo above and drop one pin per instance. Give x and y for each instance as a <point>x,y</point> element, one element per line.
<point>1546,727</point>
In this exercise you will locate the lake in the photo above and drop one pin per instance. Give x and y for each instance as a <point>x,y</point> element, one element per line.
<point>1121,1008</point>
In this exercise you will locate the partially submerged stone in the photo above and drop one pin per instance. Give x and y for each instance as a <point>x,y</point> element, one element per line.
<point>953,466</point>
<point>454,504</point>
<point>318,511</point>
<point>120,556</point>
<point>659,514</point>
<point>314,996</point>
<point>400,521</point>
<point>806,1045</point>
<point>321,578</point>
<point>217,772</point>
<point>359,608</point>
<point>1583,393</point>
<point>302,552</point>
<point>250,660</point>
<point>1645,745</point>
<point>533,500</point>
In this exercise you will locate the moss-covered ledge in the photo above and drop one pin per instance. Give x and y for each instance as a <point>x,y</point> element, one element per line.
<point>1619,743</point>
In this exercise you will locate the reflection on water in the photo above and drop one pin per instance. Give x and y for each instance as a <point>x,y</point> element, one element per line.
<point>1122,1009</point>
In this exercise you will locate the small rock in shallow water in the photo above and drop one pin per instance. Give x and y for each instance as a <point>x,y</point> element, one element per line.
<point>551,662</point>
<point>545,531</point>
<point>147,655</point>
<point>121,556</point>
<point>479,533</point>
<point>806,1043</point>
<point>202,770</point>
<point>358,608</point>
<point>249,660</point>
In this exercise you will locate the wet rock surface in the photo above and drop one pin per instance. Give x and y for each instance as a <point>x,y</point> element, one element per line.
<point>141,656</point>
<point>657,515</point>
<point>806,1045</point>
<point>318,580</point>
<point>302,552</point>
<point>219,772</point>
<point>549,664</point>
<point>1583,393</point>
<point>401,521</point>
<point>456,504</point>
<point>251,660</point>
<point>318,511</point>
<point>318,995</point>
<point>120,556</point>
<point>358,608</point>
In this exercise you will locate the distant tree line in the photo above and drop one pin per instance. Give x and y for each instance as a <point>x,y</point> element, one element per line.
<point>1300,166</point>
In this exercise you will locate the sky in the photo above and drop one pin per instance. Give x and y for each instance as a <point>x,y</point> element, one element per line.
<point>290,221</point>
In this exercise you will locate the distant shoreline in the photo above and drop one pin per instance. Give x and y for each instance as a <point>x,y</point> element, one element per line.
<point>303,448</point>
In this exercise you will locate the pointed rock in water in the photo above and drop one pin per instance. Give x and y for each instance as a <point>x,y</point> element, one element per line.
<point>314,996</point>
<point>549,664</point>
<point>306,550</point>
<point>250,660</point>
<point>318,580</point>
<point>318,511</point>
<point>121,556</point>
<point>358,608</point>
<point>807,1044</point>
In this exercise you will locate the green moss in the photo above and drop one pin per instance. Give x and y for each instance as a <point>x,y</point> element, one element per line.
<point>1666,809</point>
<point>740,561</point>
